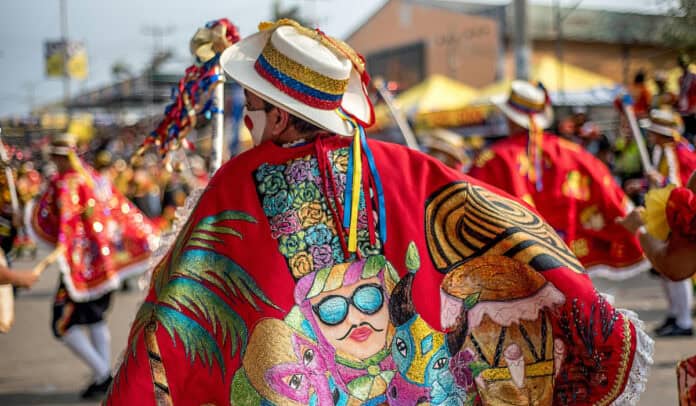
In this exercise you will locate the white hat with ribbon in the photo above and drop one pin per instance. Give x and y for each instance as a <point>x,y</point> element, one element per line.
<point>526,101</point>
<point>305,72</point>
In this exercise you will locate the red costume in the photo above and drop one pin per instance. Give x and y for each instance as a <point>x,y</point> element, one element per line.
<point>577,196</point>
<point>105,237</point>
<point>251,305</point>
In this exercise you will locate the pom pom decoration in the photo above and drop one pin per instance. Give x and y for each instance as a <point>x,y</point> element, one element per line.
<point>655,215</point>
<point>192,97</point>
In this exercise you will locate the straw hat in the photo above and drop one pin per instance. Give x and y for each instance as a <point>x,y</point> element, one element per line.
<point>304,72</point>
<point>524,102</point>
<point>62,144</point>
<point>445,141</point>
<point>663,122</point>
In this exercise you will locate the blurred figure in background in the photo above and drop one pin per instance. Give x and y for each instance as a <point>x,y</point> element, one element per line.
<point>686,103</point>
<point>100,239</point>
<point>447,147</point>
<point>641,95</point>
<point>663,97</point>
<point>571,189</point>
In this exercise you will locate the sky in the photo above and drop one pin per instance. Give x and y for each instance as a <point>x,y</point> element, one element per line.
<point>114,30</point>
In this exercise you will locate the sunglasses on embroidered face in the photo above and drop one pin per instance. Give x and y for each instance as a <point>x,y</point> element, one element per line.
<point>333,310</point>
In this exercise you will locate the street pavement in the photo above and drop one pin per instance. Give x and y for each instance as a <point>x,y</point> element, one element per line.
<point>35,369</point>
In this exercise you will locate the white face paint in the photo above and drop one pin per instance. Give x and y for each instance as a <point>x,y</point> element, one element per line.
<point>255,121</point>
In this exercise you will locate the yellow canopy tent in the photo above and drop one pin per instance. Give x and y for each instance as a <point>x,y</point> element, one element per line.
<point>436,93</point>
<point>547,71</point>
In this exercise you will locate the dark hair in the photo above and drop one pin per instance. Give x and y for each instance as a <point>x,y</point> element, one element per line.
<point>300,125</point>
<point>640,77</point>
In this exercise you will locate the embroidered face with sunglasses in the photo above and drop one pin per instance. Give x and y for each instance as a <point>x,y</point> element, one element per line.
<point>354,319</point>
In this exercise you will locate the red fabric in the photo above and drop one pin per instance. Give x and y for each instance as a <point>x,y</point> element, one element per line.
<point>580,198</point>
<point>593,333</point>
<point>687,161</point>
<point>642,98</point>
<point>681,213</point>
<point>104,234</point>
<point>687,94</point>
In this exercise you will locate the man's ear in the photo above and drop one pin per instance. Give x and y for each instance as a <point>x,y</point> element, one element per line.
<point>278,121</point>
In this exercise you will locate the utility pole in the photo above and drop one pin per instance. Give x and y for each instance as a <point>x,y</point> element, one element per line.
<point>523,48</point>
<point>64,39</point>
<point>559,48</point>
<point>157,32</point>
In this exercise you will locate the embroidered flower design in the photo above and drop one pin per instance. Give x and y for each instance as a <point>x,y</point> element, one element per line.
<point>272,184</point>
<point>285,224</point>
<point>337,250</point>
<point>322,256</point>
<point>312,213</point>
<point>277,204</point>
<point>301,170</point>
<point>292,244</point>
<point>459,367</point>
<point>301,264</point>
<point>340,160</point>
<point>318,235</point>
<point>267,170</point>
<point>306,192</point>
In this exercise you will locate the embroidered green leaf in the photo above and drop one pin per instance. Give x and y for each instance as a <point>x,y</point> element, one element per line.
<point>227,215</point>
<point>471,300</point>
<point>242,393</point>
<point>217,229</point>
<point>477,367</point>
<point>393,275</point>
<point>222,272</point>
<point>142,318</point>
<point>373,265</point>
<point>204,304</point>
<point>203,236</point>
<point>200,244</point>
<point>412,257</point>
<point>196,340</point>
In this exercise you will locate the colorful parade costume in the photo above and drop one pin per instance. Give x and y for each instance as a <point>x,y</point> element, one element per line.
<point>105,237</point>
<point>574,191</point>
<point>349,272</point>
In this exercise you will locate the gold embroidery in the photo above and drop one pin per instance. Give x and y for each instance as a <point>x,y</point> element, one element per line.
<point>303,74</point>
<point>484,157</point>
<point>623,366</point>
<point>579,247</point>
<point>544,368</point>
<point>508,229</point>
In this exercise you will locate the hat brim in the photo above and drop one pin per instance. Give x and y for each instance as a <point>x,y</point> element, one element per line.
<point>60,151</point>
<point>543,120</point>
<point>238,62</point>
<point>657,129</point>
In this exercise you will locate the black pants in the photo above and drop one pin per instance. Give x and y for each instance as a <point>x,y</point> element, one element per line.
<point>67,313</point>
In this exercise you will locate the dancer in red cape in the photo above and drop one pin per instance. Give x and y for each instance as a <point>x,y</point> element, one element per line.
<point>102,238</point>
<point>321,269</point>
<point>570,188</point>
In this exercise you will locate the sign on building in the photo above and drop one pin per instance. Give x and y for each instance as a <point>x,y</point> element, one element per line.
<point>76,66</point>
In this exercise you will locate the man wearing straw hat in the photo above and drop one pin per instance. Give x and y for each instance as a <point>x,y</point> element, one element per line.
<point>99,239</point>
<point>572,189</point>
<point>279,288</point>
<point>674,161</point>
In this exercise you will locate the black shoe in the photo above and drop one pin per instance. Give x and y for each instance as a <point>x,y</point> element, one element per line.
<point>667,325</point>
<point>676,331</point>
<point>96,389</point>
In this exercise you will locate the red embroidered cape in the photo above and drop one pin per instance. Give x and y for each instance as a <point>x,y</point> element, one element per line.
<point>106,238</point>
<point>579,198</point>
<point>257,303</point>
<point>686,161</point>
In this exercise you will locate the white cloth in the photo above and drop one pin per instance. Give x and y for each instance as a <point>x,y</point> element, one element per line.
<point>76,339</point>
<point>101,339</point>
<point>680,299</point>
